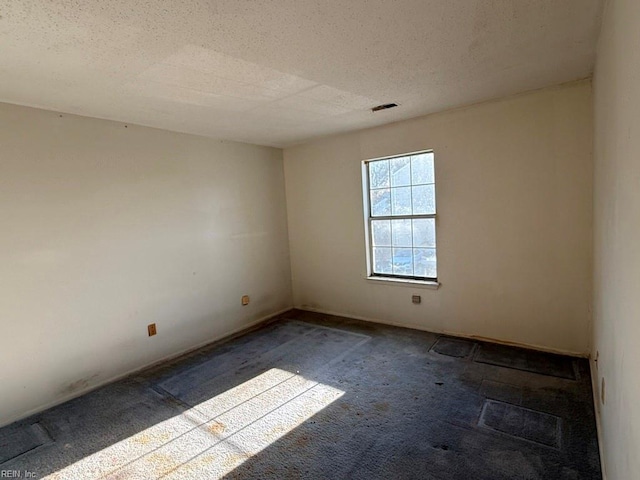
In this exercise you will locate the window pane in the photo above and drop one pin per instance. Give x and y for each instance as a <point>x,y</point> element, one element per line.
<point>424,261</point>
<point>400,171</point>
<point>424,232</point>
<point>424,199</point>
<point>382,260</point>
<point>380,202</point>
<point>402,261</point>
<point>403,186</point>
<point>379,174</point>
<point>381,230</point>
<point>422,169</point>
<point>401,201</point>
<point>401,233</point>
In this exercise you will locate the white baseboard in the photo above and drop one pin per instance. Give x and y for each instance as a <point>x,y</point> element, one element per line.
<point>135,370</point>
<point>449,332</point>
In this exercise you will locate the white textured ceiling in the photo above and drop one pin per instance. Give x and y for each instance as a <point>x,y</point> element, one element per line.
<point>278,72</point>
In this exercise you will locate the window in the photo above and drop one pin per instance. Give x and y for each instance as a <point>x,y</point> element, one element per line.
<point>400,214</point>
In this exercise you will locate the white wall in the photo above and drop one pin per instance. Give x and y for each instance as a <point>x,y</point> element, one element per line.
<point>514,195</point>
<point>617,237</point>
<point>105,229</point>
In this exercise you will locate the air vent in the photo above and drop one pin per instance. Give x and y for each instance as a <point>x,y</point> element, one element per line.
<point>384,107</point>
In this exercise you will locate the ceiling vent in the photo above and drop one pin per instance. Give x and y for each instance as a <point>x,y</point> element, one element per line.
<point>384,107</point>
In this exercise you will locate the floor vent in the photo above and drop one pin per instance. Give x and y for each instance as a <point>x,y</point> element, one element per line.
<point>531,425</point>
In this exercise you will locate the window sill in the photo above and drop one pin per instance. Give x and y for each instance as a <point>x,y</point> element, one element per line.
<point>404,281</point>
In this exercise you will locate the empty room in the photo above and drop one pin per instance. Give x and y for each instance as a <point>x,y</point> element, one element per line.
<point>320,239</point>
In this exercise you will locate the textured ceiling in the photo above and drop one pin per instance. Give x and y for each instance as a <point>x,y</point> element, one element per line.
<point>280,72</point>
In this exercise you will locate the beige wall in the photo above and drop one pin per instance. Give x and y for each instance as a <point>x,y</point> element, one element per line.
<point>617,237</point>
<point>514,194</point>
<point>105,229</point>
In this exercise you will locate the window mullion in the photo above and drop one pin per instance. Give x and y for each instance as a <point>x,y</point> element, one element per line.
<point>403,217</point>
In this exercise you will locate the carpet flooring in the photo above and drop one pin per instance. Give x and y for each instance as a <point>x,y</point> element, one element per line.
<point>322,397</point>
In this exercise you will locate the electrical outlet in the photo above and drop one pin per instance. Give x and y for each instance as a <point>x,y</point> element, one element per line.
<point>151,328</point>
<point>416,299</point>
<point>245,300</point>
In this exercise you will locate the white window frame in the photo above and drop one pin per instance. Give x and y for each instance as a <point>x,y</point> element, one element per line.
<point>431,282</point>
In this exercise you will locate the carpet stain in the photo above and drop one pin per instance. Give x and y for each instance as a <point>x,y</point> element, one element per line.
<point>162,463</point>
<point>302,441</point>
<point>216,428</point>
<point>382,407</point>
<point>208,459</point>
<point>277,430</point>
<point>235,459</point>
<point>113,476</point>
<point>146,438</point>
<point>194,467</point>
<point>142,439</point>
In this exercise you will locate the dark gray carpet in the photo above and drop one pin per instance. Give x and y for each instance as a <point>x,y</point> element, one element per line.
<point>527,360</point>
<point>20,439</point>
<point>316,396</point>
<point>453,347</point>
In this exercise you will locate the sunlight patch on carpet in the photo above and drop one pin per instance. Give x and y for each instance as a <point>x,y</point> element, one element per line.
<point>214,437</point>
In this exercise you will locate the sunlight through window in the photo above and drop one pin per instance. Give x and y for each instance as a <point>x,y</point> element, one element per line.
<point>214,437</point>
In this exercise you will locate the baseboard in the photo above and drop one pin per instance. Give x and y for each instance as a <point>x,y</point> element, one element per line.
<point>237,332</point>
<point>226,336</point>
<point>596,404</point>
<point>449,332</point>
